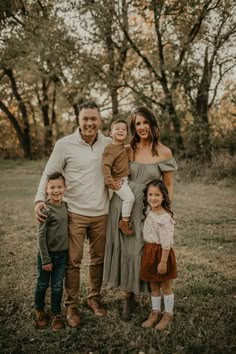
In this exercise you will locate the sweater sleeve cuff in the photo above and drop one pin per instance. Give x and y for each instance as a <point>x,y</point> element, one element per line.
<point>46,260</point>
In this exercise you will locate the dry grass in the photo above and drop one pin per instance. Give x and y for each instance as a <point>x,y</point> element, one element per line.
<point>205,290</point>
<point>221,169</point>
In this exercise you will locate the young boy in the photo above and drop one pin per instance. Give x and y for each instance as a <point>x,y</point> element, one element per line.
<point>52,255</point>
<point>116,167</point>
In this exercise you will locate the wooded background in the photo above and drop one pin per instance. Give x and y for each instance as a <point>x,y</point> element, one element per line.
<point>176,57</point>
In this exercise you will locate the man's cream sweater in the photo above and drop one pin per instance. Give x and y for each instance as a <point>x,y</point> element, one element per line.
<point>81,164</point>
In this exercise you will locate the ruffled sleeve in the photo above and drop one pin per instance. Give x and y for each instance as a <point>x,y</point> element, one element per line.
<point>168,165</point>
<point>166,232</point>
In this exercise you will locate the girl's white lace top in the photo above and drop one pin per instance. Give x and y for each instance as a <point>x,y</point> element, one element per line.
<point>159,229</point>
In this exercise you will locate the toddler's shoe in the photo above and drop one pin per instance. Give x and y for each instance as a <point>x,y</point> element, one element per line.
<point>165,322</point>
<point>124,226</point>
<point>41,319</point>
<point>152,319</point>
<point>57,322</point>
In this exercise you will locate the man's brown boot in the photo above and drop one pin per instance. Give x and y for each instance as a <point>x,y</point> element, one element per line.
<point>152,319</point>
<point>72,316</point>
<point>57,322</point>
<point>124,226</point>
<point>165,322</point>
<point>96,307</point>
<point>41,319</point>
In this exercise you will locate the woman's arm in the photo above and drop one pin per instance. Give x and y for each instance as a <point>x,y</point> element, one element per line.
<point>130,152</point>
<point>168,179</point>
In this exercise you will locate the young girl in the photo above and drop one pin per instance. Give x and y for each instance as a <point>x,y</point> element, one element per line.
<point>158,264</point>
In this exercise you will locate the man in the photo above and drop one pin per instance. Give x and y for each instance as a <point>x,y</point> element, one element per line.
<point>79,157</point>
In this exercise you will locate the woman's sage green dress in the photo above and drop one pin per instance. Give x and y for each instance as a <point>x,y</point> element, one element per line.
<point>123,253</point>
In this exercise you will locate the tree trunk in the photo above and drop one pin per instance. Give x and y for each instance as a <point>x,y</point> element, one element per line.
<point>200,113</point>
<point>76,112</point>
<point>25,135</point>
<point>170,108</point>
<point>114,100</point>
<point>23,139</point>
<point>47,125</point>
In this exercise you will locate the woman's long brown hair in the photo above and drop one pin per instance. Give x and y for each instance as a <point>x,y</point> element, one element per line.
<point>154,127</point>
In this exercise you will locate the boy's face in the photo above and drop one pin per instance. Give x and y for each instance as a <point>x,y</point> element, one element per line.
<point>55,190</point>
<point>119,132</point>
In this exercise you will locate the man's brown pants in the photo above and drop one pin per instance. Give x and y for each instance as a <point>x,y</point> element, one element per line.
<point>95,229</point>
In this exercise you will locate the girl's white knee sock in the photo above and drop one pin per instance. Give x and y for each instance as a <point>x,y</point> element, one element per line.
<point>156,303</point>
<point>169,302</point>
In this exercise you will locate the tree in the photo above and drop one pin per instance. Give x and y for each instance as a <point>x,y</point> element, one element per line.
<point>40,54</point>
<point>172,55</point>
<point>218,60</point>
<point>106,46</point>
<point>22,130</point>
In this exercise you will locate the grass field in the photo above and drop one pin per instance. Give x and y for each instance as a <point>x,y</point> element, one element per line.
<point>205,290</point>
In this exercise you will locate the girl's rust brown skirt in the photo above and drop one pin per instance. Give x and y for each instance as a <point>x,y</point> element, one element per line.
<point>151,258</point>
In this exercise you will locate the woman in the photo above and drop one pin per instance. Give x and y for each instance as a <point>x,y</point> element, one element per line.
<point>149,159</point>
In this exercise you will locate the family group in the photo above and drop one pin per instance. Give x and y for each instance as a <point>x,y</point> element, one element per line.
<point>118,197</point>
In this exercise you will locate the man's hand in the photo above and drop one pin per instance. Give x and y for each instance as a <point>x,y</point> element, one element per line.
<point>162,268</point>
<point>47,267</point>
<point>39,216</point>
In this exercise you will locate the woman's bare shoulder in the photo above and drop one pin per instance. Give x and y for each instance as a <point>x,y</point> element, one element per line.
<point>164,152</point>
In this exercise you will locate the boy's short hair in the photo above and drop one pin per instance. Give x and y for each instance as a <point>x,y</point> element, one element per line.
<point>55,175</point>
<point>119,121</point>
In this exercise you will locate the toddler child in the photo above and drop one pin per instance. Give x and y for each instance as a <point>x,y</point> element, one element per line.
<point>115,168</point>
<point>158,265</point>
<point>52,253</point>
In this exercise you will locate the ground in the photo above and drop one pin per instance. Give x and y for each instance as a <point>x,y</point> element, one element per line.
<point>205,290</point>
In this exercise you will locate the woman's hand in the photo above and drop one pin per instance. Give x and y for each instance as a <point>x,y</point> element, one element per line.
<point>162,268</point>
<point>39,216</point>
<point>47,267</point>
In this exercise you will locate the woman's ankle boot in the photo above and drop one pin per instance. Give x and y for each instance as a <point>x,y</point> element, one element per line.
<point>128,308</point>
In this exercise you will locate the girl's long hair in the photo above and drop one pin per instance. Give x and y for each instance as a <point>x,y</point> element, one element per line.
<point>154,127</point>
<point>166,203</point>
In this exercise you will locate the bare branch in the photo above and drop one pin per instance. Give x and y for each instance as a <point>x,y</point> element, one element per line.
<point>221,76</point>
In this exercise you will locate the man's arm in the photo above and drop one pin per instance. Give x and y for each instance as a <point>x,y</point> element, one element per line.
<point>56,163</point>
<point>168,177</point>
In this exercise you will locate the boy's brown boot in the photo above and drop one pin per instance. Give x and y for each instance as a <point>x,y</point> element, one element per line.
<point>57,322</point>
<point>124,226</point>
<point>152,319</point>
<point>41,319</point>
<point>166,320</point>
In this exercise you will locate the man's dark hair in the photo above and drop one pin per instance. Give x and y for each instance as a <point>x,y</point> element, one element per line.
<point>56,175</point>
<point>89,104</point>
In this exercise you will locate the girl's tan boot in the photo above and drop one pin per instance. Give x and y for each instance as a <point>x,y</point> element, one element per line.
<point>152,319</point>
<point>166,320</point>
